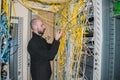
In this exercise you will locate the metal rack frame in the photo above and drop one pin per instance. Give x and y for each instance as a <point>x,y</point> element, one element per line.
<point>0,42</point>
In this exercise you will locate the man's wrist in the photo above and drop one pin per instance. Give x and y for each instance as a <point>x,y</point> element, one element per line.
<point>56,39</point>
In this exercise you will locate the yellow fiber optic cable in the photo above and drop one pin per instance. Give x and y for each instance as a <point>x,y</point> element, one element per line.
<point>27,6</point>
<point>75,33</point>
<point>12,8</point>
<point>6,10</point>
<point>51,2</point>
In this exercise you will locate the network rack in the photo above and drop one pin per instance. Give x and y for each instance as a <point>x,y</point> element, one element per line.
<point>106,65</point>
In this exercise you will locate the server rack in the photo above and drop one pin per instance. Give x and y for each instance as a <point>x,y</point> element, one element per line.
<point>106,65</point>
<point>16,61</point>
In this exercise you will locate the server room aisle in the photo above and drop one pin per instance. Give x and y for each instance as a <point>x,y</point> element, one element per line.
<point>89,46</point>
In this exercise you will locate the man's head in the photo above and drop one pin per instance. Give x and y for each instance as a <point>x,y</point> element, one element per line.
<point>37,26</point>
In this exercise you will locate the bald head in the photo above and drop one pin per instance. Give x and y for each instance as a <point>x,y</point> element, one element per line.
<point>33,22</point>
<point>37,26</point>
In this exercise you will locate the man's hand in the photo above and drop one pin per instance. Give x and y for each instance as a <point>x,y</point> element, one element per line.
<point>58,35</point>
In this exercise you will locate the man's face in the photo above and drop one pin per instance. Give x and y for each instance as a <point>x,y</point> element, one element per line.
<point>40,27</point>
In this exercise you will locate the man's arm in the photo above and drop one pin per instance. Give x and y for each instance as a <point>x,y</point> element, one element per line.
<point>43,52</point>
<point>57,37</point>
<point>39,50</point>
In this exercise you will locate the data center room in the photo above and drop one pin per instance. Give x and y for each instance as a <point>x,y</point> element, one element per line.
<point>89,46</point>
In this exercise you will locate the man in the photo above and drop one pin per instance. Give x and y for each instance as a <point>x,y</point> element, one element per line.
<point>41,52</point>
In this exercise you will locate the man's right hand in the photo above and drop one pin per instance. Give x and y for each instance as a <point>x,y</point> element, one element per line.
<point>58,35</point>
